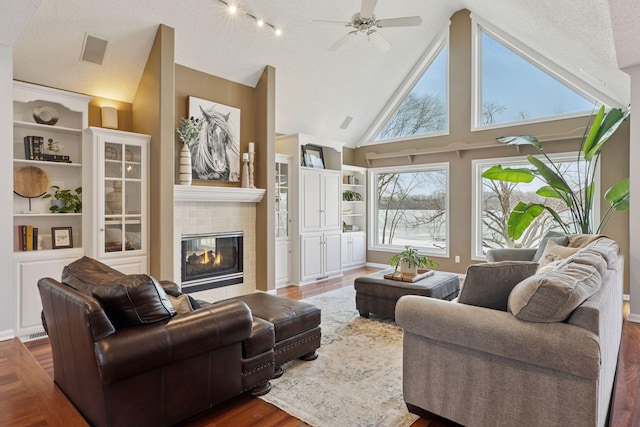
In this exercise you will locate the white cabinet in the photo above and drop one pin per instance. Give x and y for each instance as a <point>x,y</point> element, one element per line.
<point>283,241</point>
<point>354,249</point>
<point>116,217</point>
<point>320,255</point>
<point>47,126</point>
<point>319,200</point>
<point>283,266</point>
<point>315,216</point>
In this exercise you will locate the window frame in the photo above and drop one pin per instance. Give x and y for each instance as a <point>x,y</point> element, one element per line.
<point>372,207</point>
<point>405,88</point>
<point>476,192</point>
<point>535,59</point>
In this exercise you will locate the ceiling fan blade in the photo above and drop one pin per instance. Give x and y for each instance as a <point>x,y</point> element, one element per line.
<point>379,41</point>
<point>320,21</point>
<point>366,10</point>
<point>342,41</point>
<point>409,21</point>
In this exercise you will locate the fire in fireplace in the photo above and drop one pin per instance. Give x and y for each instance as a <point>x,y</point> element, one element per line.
<point>211,261</point>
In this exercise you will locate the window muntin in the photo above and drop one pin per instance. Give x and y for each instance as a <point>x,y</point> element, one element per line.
<point>424,110</point>
<point>409,206</point>
<point>493,201</point>
<point>514,89</point>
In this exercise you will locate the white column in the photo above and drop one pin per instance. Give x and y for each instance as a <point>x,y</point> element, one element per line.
<point>7,284</point>
<point>634,212</point>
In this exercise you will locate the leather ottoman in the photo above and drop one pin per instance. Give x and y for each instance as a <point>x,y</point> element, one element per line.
<point>296,325</point>
<point>375,294</point>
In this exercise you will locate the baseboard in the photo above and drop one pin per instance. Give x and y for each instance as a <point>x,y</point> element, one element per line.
<point>635,318</point>
<point>6,335</point>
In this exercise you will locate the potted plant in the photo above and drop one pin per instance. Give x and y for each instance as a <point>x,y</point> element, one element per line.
<point>351,196</point>
<point>65,201</point>
<point>579,202</point>
<point>409,260</point>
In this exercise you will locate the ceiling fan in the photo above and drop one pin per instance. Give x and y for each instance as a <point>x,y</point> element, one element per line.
<point>365,22</point>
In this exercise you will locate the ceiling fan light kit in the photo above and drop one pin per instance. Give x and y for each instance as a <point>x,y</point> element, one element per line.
<point>365,22</point>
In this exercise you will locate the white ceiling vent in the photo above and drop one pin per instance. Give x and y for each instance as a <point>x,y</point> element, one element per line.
<point>93,49</point>
<point>347,121</point>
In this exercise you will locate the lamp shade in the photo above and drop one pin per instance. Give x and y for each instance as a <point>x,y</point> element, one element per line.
<point>109,118</point>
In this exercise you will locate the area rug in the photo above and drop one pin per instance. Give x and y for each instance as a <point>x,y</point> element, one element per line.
<point>356,380</point>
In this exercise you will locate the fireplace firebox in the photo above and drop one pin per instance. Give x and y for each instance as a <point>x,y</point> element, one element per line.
<point>211,261</point>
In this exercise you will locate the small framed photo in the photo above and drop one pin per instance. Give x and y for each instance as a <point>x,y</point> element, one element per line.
<point>61,237</point>
<point>313,156</point>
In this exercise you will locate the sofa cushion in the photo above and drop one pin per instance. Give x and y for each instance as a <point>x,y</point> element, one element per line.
<point>551,297</point>
<point>489,285</point>
<point>86,272</point>
<point>555,236</point>
<point>134,299</point>
<point>552,255</point>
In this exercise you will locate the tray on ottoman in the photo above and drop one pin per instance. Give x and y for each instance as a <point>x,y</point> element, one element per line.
<point>375,294</point>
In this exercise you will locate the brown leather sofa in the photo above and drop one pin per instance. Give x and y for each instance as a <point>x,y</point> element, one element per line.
<point>125,359</point>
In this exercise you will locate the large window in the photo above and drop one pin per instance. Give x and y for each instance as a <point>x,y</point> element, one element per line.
<point>424,110</point>
<point>493,201</point>
<point>409,206</point>
<point>513,89</point>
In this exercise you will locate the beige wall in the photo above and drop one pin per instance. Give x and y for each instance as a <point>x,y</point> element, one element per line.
<point>153,114</point>
<point>554,134</point>
<point>191,82</point>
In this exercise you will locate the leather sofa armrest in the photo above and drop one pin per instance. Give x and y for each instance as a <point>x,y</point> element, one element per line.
<point>131,351</point>
<point>511,254</point>
<point>558,346</point>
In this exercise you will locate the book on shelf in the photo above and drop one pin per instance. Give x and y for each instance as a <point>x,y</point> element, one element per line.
<point>33,147</point>
<point>61,158</point>
<point>27,238</point>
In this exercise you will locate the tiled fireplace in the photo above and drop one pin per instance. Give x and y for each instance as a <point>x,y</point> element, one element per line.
<point>206,217</point>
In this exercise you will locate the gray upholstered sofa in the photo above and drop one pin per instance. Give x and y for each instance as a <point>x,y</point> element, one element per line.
<point>548,360</point>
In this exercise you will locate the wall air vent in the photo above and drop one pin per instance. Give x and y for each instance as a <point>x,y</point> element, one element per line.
<point>93,49</point>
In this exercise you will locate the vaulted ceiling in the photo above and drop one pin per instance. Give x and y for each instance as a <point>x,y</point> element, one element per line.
<point>315,88</point>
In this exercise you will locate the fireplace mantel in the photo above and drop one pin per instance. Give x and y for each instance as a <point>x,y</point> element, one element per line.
<point>202,193</point>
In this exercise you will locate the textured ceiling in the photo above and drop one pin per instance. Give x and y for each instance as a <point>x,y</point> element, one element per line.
<point>315,89</point>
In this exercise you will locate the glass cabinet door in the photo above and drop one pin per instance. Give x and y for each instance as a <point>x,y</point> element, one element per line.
<point>123,197</point>
<point>282,199</point>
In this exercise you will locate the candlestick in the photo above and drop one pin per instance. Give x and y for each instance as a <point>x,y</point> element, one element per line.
<point>251,156</point>
<point>251,147</point>
<point>245,171</point>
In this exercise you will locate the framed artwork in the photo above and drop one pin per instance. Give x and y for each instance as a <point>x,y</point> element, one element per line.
<point>61,237</point>
<point>216,154</point>
<point>313,156</point>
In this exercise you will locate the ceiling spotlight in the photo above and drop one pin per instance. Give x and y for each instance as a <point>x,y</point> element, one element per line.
<point>260,22</point>
<point>278,31</point>
<point>232,9</point>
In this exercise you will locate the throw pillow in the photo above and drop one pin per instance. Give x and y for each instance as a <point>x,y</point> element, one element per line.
<point>134,299</point>
<point>551,297</point>
<point>83,274</point>
<point>553,254</point>
<point>182,304</point>
<point>489,285</point>
<point>557,237</point>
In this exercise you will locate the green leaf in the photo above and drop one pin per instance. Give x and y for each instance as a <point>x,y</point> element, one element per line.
<point>521,218</point>
<point>521,140</point>
<point>618,195</point>
<point>595,127</point>
<point>548,191</point>
<point>499,173</point>
<point>610,124</point>
<point>549,176</point>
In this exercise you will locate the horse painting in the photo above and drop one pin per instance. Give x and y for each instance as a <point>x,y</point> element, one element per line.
<point>218,143</point>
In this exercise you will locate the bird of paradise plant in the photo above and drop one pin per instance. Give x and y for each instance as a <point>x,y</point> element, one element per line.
<point>579,202</point>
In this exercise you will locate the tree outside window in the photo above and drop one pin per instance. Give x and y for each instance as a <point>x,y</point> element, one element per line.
<point>410,208</point>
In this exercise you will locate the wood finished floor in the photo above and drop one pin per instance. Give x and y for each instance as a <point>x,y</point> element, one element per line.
<point>28,396</point>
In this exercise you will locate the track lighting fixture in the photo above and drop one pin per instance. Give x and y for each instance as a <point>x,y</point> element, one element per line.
<point>235,8</point>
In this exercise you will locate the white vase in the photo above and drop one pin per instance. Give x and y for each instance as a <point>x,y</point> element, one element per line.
<point>408,269</point>
<point>184,168</point>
